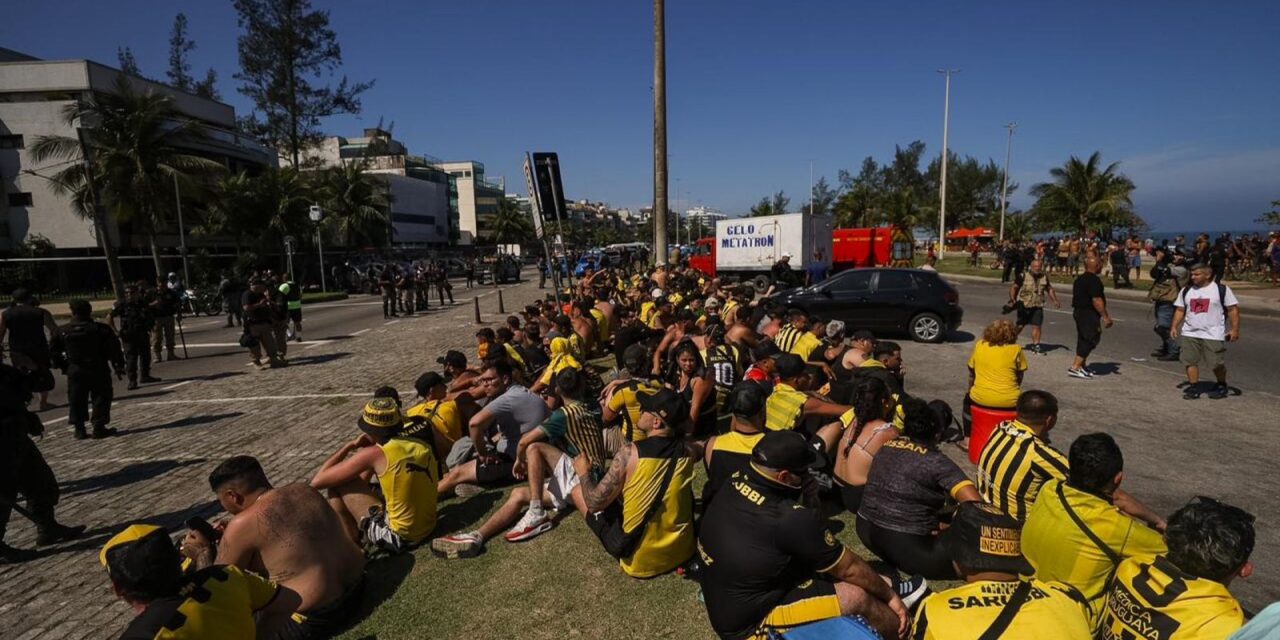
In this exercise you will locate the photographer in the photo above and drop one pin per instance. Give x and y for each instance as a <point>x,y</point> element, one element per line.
<point>1168,277</point>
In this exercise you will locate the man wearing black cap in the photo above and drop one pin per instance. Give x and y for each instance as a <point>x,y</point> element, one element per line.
<point>771,563</point>
<point>214,602</point>
<point>658,536</point>
<point>994,603</point>
<point>437,421</point>
<point>789,403</point>
<point>730,453</point>
<point>621,397</point>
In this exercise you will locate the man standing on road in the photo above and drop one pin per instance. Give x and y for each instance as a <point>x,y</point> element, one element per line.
<point>1030,298</point>
<point>164,306</point>
<point>1168,276</point>
<point>84,350</point>
<point>229,289</point>
<point>1203,310</point>
<point>257,323</point>
<point>387,284</point>
<point>26,323</point>
<point>1089,309</point>
<point>293,297</point>
<point>135,326</point>
<point>817,272</point>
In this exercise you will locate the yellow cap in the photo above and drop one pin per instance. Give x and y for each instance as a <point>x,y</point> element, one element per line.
<point>381,417</point>
<point>133,533</point>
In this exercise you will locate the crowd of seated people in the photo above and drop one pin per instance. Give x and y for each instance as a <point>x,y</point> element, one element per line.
<point>606,398</point>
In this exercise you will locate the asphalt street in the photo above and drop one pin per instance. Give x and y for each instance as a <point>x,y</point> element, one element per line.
<point>213,350</point>
<point>1129,342</point>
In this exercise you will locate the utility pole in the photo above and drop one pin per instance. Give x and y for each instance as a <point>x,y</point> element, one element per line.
<point>810,188</point>
<point>659,133</point>
<point>1004,188</point>
<point>946,123</point>
<point>182,232</point>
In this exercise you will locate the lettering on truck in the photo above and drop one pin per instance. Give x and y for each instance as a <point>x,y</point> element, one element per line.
<point>740,236</point>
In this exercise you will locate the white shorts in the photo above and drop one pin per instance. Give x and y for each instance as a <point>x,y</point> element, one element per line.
<point>562,482</point>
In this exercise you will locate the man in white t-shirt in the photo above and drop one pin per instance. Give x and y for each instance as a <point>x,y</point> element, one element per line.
<point>1201,314</point>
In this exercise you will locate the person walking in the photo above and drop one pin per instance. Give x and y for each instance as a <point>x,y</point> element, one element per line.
<point>387,284</point>
<point>1168,276</point>
<point>407,284</point>
<point>279,316</point>
<point>1089,310</point>
<point>23,469</point>
<point>1029,299</point>
<point>1203,311</point>
<point>136,323</point>
<point>542,272</point>
<point>257,324</point>
<point>164,304</point>
<point>293,305</point>
<point>230,291</point>
<point>26,323</point>
<point>87,352</point>
<point>443,288</point>
<point>471,272</point>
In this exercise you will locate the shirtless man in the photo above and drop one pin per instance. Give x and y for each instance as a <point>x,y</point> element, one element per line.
<point>684,326</point>
<point>291,535</point>
<point>659,276</point>
<point>462,381</point>
<point>861,344</point>
<point>584,325</point>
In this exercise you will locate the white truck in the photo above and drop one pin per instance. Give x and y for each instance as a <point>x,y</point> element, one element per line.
<point>746,249</point>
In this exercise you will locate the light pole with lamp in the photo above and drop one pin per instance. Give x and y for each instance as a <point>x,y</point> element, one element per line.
<point>1004,188</point>
<point>946,122</point>
<point>316,214</point>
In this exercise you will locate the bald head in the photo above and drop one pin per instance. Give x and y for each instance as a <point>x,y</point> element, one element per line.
<point>1093,264</point>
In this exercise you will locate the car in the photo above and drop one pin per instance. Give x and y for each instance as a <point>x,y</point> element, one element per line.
<point>884,301</point>
<point>504,268</point>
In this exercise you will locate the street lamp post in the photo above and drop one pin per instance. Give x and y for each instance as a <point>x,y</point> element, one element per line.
<point>659,133</point>
<point>1004,188</point>
<point>316,214</point>
<point>182,232</point>
<point>946,123</point>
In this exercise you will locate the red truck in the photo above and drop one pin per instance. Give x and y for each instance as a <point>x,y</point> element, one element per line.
<point>871,247</point>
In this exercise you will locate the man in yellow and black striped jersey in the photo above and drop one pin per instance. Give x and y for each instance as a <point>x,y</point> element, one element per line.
<point>1018,460</point>
<point>994,602</point>
<point>771,564</point>
<point>218,602</point>
<point>1183,594</point>
<point>789,403</point>
<point>789,335</point>
<point>730,452</point>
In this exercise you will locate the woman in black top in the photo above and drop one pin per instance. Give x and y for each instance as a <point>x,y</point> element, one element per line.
<point>909,483</point>
<point>696,389</point>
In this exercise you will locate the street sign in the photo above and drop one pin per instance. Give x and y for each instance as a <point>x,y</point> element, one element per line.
<point>289,243</point>
<point>533,196</point>
<point>546,174</point>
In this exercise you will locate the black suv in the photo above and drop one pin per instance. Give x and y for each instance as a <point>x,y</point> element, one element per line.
<point>918,303</point>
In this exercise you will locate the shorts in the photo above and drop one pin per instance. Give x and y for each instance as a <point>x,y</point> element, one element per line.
<point>1203,353</point>
<point>1033,316</point>
<point>1135,262</point>
<point>1088,331</point>
<point>496,474</point>
<point>562,482</point>
<point>325,621</point>
<point>810,601</point>
<point>295,315</point>
<point>377,531</point>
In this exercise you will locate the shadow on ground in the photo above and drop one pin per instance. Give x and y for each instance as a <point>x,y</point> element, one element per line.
<point>959,337</point>
<point>125,476</point>
<point>464,515</point>
<point>189,421</point>
<point>382,578</point>
<point>303,361</point>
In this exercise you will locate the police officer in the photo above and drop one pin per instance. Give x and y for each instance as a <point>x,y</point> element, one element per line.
<point>23,469</point>
<point>165,302</point>
<point>293,299</point>
<point>83,349</point>
<point>136,323</point>
<point>25,323</point>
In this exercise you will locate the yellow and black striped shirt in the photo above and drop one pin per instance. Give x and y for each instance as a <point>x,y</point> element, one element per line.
<point>787,337</point>
<point>1013,467</point>
<point>783,408</point>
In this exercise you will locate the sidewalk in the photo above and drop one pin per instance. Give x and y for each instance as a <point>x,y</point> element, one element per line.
<point>1254,301</point>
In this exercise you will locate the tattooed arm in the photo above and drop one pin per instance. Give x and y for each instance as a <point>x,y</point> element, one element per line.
<point>602,494</point>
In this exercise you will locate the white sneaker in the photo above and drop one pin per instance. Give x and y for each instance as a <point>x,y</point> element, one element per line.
<point>458,545</point>
<point>532,525</point>
<point>1079,373</point>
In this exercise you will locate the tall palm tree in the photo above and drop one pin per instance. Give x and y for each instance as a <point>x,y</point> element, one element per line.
<point>356,203</point>
<point>1083,194</point>
<point>510,224</point>
<point>136,149</point>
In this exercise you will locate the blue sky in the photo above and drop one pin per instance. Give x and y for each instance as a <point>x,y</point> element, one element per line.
<point>1183,94</point>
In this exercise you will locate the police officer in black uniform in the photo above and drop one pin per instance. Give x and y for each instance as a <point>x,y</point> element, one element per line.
<point>23,469</point>
<point>165,303</point>
<point>135,327</point>
<point>87,351</point>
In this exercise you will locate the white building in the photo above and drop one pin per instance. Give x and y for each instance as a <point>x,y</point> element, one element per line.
<point>477,200</point>
<point>33,95</point>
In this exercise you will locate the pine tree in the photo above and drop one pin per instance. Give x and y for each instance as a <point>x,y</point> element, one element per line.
<point>127,63</point>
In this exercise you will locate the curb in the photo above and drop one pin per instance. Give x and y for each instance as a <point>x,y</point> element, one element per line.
<point>1272,310</point>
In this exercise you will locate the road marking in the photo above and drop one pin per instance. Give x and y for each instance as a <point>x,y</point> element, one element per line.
<point>359,394</point>
<point>359,332</point>
<point>223,345</point>
<point>175,386</point>
<point>390,322</point>
<point>318,343</point>
<point>54,421</point>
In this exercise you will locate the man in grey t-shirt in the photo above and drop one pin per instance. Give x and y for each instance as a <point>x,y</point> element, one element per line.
<point>495,430</point>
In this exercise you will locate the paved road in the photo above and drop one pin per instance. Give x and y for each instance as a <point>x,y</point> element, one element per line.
<point>215,353</point>
<point>1128,344</point>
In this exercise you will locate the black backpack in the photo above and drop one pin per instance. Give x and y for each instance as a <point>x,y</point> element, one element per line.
<point>1222,298</point>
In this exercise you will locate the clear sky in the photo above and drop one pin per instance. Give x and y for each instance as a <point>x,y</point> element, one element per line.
<point>1185,94</point>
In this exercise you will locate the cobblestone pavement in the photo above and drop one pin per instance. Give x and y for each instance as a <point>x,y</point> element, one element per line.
<point>155,470</point>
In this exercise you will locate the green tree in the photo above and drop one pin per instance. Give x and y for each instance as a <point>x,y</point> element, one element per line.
<point>179,73</point>
<point>285,46</point>
<point>973,190</point>
<point>1271,217</point>
<point>771,206</point>
<point>128,64</point>
<point>356,204</point>
<point>137,148</point>
<point>511,225</point>
<point>1019,225</point>
<point>822,197</point>
<point>1083,194</point>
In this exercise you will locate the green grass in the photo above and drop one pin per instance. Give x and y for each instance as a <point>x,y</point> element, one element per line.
<point>959,265</point>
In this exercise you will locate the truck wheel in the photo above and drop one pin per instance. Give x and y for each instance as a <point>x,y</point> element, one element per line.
<point>761,283</point>
<point>926,327</point>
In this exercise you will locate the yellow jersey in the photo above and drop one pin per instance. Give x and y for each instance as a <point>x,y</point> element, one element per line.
<point>805,345</point>
<point>409,488</point>
<point>668,539</point>
<point>625,402</point>
<point>783,408</point>
<point>559,362</point>
<point>995,374</point>
<point>787,337</point>
<point>602,325</point>
<point>1154,600</point>
<point>647,309</point>
<point>1061,551</point>
<point>216,603</point>
<point>443,417</point>
<point>1052,611</point>
<point>1013,466</point>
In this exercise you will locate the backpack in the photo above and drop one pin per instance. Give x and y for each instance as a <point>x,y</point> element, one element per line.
<point>1165,291</point>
